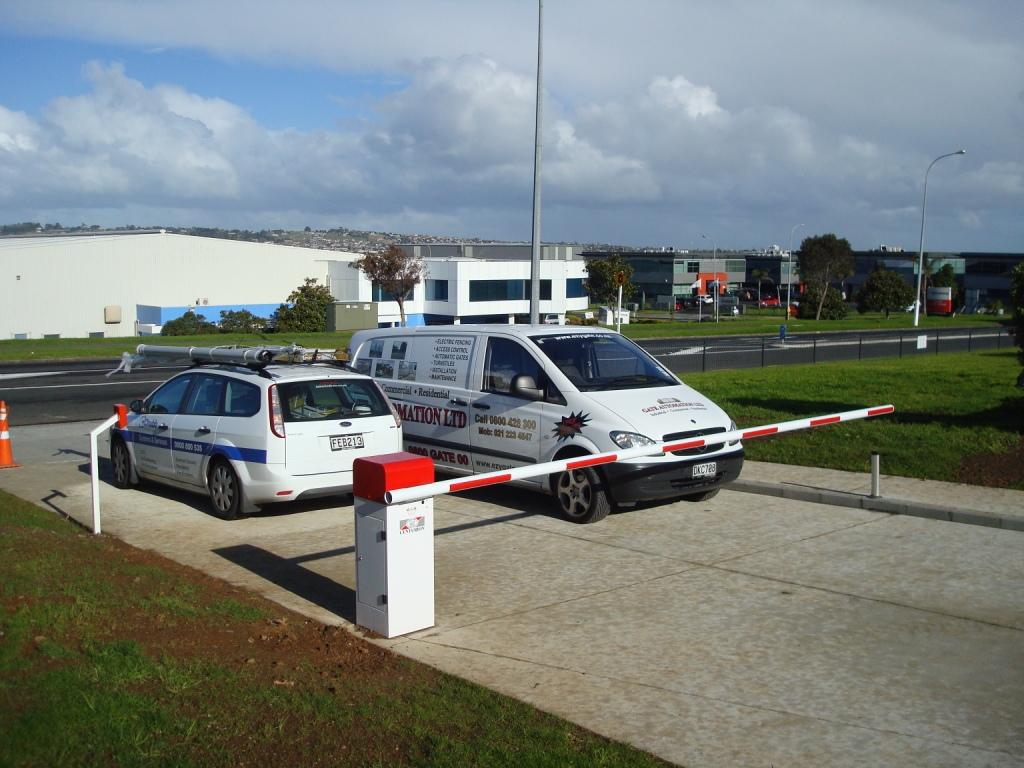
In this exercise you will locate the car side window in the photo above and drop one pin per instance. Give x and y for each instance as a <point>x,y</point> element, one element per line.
<point>205,397</point>
<point>505,360</point>
<point>168,398</point>
<point>241,398</point>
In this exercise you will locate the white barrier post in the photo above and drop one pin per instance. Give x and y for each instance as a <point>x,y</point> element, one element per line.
<point>394,545</point>
<point>120,418</point>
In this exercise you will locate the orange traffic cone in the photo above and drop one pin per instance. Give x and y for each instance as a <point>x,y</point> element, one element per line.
<point>6,454</point>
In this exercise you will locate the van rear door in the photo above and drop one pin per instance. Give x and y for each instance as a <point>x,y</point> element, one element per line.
<point>330,422</point>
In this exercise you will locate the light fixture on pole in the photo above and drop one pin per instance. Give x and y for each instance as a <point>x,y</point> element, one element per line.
<point>789,270</point>
<point>920,247</point>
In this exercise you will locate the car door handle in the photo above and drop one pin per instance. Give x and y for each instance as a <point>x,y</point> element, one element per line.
<point>457,401</point>
<point>161,426</point>
<point>203,430</point>
<point>482,406</point>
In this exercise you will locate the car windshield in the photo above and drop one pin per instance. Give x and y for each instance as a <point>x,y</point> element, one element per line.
<point>331,399</point>
<point>602,361</point>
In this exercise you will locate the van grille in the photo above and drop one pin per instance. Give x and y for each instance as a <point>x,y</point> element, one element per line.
<point>675,436</point>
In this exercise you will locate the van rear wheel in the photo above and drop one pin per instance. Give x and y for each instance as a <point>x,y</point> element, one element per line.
<point>581,495</point>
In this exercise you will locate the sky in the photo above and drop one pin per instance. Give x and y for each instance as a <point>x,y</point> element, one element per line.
<point>730,124</point>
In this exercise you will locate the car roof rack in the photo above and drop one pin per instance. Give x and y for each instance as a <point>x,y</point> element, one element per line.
<point>255,358</point>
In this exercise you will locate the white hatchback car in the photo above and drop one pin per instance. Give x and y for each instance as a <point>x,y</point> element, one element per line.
<point>254,434</point>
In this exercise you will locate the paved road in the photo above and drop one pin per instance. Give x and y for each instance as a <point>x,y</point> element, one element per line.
<point>43,393</point>
<point>40,393</point>
<point>743,631</point>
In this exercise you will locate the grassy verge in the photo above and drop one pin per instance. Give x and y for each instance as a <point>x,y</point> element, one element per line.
<point>958,416</point>
<point>657,327</point>
<point>114,656</point>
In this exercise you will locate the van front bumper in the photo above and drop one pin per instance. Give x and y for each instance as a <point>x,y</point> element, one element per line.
<point>630,483</point>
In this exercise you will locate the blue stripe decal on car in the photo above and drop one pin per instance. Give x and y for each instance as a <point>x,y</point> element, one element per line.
<point>252,455</point>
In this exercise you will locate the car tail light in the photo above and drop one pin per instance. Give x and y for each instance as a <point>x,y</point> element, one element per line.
<point>276,414</point>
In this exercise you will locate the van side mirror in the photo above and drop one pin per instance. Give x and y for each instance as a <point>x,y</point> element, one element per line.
<point>525,386</point>
<point>135,406</point>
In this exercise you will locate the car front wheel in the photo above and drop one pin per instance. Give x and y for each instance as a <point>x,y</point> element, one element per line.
<point>121,462</point>
<point>581,495</point>
<point>225,490</point>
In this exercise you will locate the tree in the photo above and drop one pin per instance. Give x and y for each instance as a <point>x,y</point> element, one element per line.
<point>823,258</point>
<point>1017,299</point>
<point>946,278</point>
<point>307,310</point>
<point>830,306</point>
<point>189,324</point>
<point>884,291</point>
<point>604,273</point>
<point>241,321</point>
<point>395,271</point>
<point>760,275</point>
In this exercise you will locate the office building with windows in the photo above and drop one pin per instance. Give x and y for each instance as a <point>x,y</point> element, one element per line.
<point>475,283</point>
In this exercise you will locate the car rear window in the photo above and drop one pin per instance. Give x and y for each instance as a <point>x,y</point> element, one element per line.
<point>331,399</point>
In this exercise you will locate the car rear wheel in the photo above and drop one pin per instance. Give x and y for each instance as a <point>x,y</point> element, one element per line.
<point>225,490</point>
<point>121,462</point>
<point>581,495</point>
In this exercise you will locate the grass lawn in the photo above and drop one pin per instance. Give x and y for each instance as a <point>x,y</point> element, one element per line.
<point>958,416</point>
<point>114,656</point>
<point>60,349</point>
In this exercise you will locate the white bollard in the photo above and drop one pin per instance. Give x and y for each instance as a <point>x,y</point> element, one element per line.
<point>876,477</point>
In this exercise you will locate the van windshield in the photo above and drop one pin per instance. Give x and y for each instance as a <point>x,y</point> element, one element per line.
<point>601,361</point>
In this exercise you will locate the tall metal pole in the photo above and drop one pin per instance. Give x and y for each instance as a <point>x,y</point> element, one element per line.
<point>535,259</point>
<point>789,272</point>
<point>714,260</point>
<point>920,246</point>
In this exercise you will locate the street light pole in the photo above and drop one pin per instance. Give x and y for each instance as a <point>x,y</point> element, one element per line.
<point>537,136</point>
<point>789,272</point>
<point>920,247</point>
<point>714,259</point>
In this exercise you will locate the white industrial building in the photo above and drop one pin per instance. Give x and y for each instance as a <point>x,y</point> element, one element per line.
<point>120,284</point>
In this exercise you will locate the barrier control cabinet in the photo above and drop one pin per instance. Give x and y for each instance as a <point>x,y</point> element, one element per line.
<point>394,546</point>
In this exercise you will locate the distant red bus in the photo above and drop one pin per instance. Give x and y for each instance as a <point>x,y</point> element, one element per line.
<point>939,301</point>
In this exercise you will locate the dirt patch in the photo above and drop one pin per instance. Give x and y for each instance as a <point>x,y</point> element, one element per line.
<point>995,470</point>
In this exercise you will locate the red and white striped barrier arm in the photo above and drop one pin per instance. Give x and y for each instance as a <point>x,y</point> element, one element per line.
<point>404,495</point>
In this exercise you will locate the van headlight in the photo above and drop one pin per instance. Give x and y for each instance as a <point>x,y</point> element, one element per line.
<point>630,439</point>
<point>732,427</point>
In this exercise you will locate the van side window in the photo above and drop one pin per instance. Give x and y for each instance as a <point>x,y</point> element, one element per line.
<point>505,360</point>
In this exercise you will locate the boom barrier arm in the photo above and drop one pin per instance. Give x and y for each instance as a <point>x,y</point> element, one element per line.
<point>416,493</point>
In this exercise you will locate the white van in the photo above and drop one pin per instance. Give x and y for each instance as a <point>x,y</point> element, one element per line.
<point>480,398</point>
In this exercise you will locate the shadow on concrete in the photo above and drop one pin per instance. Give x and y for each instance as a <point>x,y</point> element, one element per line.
<point>290,575</point>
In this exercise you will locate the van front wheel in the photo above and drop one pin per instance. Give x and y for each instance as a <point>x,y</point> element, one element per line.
<point>581,495</point>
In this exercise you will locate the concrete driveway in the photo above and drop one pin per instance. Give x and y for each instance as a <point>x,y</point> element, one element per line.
<point>747,630</point>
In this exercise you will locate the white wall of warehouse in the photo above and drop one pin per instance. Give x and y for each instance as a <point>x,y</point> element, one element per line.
<point>61,285</point>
